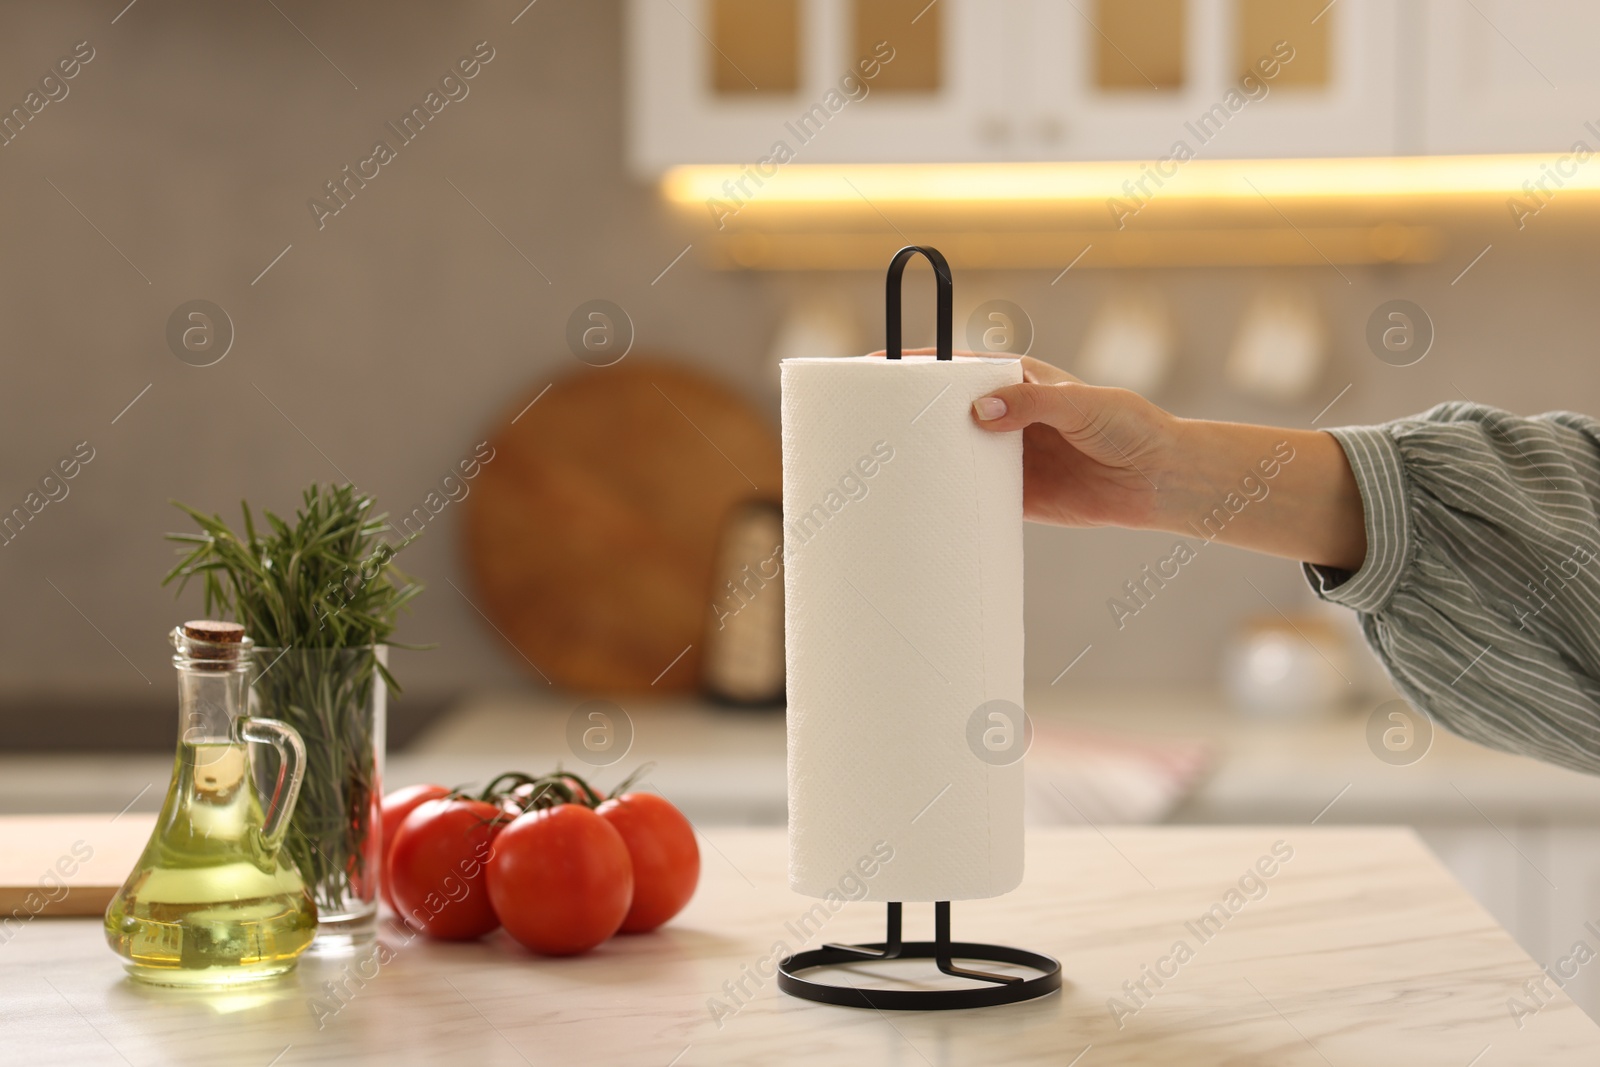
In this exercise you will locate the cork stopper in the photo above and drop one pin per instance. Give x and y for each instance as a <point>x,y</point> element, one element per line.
<point>210,644</point>
<point>214,631</point>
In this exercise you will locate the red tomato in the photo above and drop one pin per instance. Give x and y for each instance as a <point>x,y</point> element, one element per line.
<point>436,866</point>
<point>396,806</point>
<point>402,802</point>
<point>560,880</point>
<point>666,859</point>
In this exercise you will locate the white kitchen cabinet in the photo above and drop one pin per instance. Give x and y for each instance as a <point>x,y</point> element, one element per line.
<point>1019,80</point>
<point>1067,114</point>
<point>1541,881</point>
<point>1355,112</point>
<point>1345,106</point>
<point>1570,857</point>
<point>1486,864</point>
<point>677,114</point>
<point>1026,80</point>
<point>1508,76</point>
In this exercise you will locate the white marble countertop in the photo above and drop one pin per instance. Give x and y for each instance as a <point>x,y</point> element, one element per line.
<point>1359,950</point>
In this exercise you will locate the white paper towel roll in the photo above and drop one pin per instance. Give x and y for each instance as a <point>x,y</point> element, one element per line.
<point>903,587</point>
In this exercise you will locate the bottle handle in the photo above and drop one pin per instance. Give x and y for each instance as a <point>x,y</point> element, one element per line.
<point>291,770</point>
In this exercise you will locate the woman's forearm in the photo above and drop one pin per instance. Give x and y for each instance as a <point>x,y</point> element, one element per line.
<point>1283,492</point>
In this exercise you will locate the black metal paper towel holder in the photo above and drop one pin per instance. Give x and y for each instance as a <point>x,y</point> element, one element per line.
<point>994,988</point>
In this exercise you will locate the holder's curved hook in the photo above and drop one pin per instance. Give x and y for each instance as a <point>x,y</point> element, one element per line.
<point>944,298</point>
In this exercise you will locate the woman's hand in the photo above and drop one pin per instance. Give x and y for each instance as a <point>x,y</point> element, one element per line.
<point>1092,455</point>
<point>1097,456</point>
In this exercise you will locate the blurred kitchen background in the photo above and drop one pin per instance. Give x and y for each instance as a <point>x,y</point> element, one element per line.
<point>602,210</point>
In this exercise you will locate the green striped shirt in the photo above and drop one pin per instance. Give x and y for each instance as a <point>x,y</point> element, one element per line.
<point>1480,590</point>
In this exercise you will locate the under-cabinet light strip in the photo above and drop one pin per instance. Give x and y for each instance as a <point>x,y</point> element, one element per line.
<point>1505,176</point>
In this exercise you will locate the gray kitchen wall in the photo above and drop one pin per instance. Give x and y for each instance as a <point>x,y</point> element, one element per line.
<point>380,346</point>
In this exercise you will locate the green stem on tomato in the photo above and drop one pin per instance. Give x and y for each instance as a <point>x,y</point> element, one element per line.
<point>628,783</point>
<point>549,790</point>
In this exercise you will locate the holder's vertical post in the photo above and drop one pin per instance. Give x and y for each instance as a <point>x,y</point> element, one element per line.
<point>941,943</point>
<point>892,943</point>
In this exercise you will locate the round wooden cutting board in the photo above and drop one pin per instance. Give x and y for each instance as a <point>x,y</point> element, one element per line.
<point>590,535</point>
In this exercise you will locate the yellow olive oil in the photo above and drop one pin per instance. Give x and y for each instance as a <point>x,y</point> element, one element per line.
<point>212,901</point>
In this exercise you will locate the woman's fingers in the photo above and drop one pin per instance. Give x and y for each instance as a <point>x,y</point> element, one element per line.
<point>1113,427</point>
<point>1068,406</point>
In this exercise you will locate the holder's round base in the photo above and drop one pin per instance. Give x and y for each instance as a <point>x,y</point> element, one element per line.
<point>982,995</point>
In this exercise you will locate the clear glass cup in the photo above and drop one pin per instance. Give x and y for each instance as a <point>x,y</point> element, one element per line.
<point>336,699</point>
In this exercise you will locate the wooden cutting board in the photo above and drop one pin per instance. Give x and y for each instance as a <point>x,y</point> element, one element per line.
<point>67,865</point>
<point>590,536</point>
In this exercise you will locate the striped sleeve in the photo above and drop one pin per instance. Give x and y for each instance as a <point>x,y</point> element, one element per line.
<point>1480,590</point>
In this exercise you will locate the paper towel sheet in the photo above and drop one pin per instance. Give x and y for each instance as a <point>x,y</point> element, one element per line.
<point>903,587</point>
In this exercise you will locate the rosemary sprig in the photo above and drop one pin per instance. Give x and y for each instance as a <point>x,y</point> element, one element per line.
<point>318,596</point>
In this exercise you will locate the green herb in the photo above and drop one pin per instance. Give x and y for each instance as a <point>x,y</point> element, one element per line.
<point>318,597</point>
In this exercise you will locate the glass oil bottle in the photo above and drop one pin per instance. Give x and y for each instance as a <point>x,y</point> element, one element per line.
<point>214,900</point>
